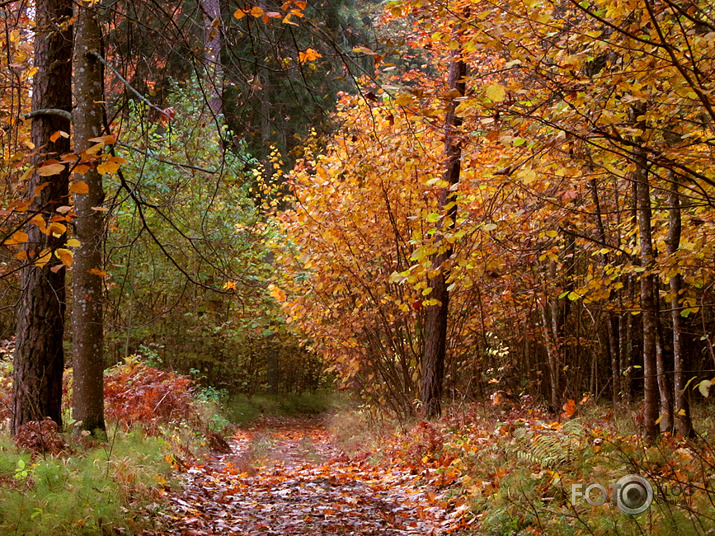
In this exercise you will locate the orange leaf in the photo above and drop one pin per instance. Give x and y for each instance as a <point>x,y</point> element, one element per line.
<point>569,409</point>
<point>308,55</point>
<point>51,169</point>
<point>81,169</point>
<point>56,135</point>
<point>79,187</point>
<point>96,271</point>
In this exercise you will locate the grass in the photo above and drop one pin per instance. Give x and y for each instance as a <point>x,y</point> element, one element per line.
<point>87,492</point>
<point>242,410</point>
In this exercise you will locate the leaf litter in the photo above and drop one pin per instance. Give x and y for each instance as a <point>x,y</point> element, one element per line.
<point>285,477</point>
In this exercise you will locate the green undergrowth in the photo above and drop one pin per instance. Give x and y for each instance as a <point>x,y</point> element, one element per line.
<point>89,489</point>
<point>242,410</point>
<point>513,473</point>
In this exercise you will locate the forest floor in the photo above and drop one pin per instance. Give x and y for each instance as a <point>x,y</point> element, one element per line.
<point>284,476</point>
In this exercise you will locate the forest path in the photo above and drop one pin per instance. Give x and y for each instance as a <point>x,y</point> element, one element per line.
<point>285,477</point>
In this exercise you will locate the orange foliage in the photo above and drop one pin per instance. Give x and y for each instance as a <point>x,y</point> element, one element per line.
<point>137,394</point>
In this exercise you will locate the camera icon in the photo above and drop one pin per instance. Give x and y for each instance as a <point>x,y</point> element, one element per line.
<point>632,494</point>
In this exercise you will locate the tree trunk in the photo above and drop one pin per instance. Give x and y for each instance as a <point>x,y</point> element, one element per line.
<point>435,332</point>
<point>212,42</point>
<point>647,289</point>
<point>610,328</point>
<point>683,422</point>
<point>663,366</point>
<point>39,356</point>
<point>87,321</point>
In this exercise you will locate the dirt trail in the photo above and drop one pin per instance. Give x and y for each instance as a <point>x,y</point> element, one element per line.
<point>285,477</point>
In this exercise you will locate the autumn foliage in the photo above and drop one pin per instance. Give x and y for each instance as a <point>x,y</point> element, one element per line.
<point>137,394</point>
<point>580,254</point>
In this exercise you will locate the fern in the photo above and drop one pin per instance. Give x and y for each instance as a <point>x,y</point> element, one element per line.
<point>547,448</point>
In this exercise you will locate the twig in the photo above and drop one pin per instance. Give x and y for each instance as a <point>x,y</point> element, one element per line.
<point>127,84</point>
<point>178,164</point>
<point>64,114</point>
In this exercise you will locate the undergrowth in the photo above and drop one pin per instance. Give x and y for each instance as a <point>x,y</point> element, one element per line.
<point>85,490</point>
<point>512,473</point>
<point>69,484</point>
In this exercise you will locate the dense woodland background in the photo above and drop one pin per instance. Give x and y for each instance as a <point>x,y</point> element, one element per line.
<point>281,207</point>
<point>428,205</point>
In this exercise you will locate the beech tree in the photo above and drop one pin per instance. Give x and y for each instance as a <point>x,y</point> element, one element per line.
<point>87,291</point>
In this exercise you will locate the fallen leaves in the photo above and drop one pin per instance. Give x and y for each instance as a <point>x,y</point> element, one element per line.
<point>291,480</point>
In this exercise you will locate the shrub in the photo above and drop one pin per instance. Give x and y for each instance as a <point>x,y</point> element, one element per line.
<point>136,393</point>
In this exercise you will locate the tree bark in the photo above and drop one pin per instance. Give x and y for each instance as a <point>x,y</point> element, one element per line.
<point>212,42</point>
<point>39,356</point>
<point>647,288</point>
<point>609,339</point>
<point>435,332</point>
<point>87,320</point>
<point>683,422</point>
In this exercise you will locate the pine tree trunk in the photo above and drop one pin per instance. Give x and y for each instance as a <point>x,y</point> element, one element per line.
<point>39,356</point>
<point>435,331</point>
<point>87,320</point>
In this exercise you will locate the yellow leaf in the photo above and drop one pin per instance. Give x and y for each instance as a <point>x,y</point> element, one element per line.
<point>57,229</point>
<point>79,187</point>
<point>73,243</point>
<point>44,257</point>
<point>229,285</point>
<point>364,50</point>
<point>94,150</point>
<point>65,255</point>
<point>109,139</point>
<point>38,220</point>
<point>110,166</point>
<point>52,169</point>
<point>496,92</point>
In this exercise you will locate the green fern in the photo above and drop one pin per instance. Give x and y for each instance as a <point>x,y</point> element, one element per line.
<point>547,448</point>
